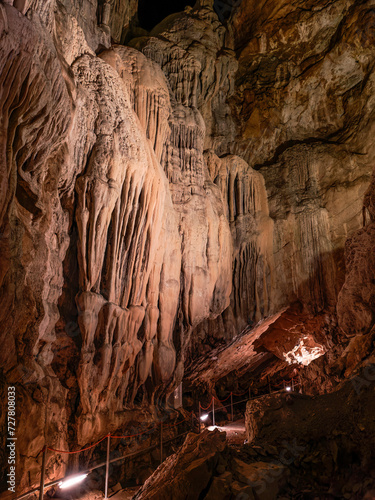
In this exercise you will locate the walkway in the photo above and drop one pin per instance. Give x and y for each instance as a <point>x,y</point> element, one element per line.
<point>125,494</point>
<point>236,436</point>
<point>236,433</point>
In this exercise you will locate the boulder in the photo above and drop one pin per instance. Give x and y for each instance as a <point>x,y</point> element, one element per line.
<point>187,473</point>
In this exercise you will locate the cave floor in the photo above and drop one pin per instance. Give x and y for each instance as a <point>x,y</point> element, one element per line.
<point>125,494</point>
<point>236,433</point>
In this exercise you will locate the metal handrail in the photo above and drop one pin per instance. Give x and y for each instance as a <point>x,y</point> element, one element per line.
<point>103,464</point>
<point>140,452</point>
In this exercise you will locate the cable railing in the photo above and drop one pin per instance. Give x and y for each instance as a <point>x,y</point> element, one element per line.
<point>161,426</point>
<point>287,385</point>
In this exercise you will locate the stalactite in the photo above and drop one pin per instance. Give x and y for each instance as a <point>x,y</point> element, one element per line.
<point>120,210</point>
<point>243,192</point>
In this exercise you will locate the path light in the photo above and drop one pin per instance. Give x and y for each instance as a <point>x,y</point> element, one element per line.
<point>67,483</point>
<point>204,417</point>
<point>288,388</point>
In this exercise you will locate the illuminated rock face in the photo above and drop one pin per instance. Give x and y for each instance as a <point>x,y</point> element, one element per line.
<point>304,352</point>
<point>157,198</point>
<point>116,241</point>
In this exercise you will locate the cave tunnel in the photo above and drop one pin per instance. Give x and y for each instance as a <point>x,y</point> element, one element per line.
<point>151,13</point>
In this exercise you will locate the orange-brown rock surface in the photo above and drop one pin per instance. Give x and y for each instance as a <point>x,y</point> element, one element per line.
<point>160,196</point>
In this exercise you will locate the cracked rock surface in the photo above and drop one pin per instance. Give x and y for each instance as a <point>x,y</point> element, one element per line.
<point>159,197</point>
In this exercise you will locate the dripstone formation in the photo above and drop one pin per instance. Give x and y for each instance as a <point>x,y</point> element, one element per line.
<point>160,191</point>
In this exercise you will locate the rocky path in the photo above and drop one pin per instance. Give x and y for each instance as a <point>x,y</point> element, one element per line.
<point>236,433</point>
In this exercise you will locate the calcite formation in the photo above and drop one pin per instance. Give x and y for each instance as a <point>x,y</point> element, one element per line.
<point>161,191</point>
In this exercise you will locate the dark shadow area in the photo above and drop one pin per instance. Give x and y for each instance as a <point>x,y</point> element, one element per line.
<point>151,13</point>
<point>224,8</point>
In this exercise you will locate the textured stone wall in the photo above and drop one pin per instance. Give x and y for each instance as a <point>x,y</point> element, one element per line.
<point>159,197</point>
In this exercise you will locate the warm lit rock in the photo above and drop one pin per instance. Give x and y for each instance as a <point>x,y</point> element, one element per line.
<point>264,478</point>
<point>355,306</point>
<point>187,473</point>
<point>160,198</point>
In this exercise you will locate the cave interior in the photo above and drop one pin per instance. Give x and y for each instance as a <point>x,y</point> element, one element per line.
<point>187,249</point>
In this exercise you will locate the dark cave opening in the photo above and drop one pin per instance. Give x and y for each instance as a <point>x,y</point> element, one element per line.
<point>151,13</point>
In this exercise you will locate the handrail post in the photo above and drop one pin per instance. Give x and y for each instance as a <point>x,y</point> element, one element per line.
<point>107,467</point>
<point>161,442</point>
<point>213,411</point>
<point>42,477</point>
<point>199,419</point>
<point>231,404</point>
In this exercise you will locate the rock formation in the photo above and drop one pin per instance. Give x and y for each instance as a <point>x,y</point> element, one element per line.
<point>298,447</point>
<point>162,191</point>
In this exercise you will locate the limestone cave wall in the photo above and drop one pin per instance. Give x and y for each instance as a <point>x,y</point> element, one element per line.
<point>160,196</point>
